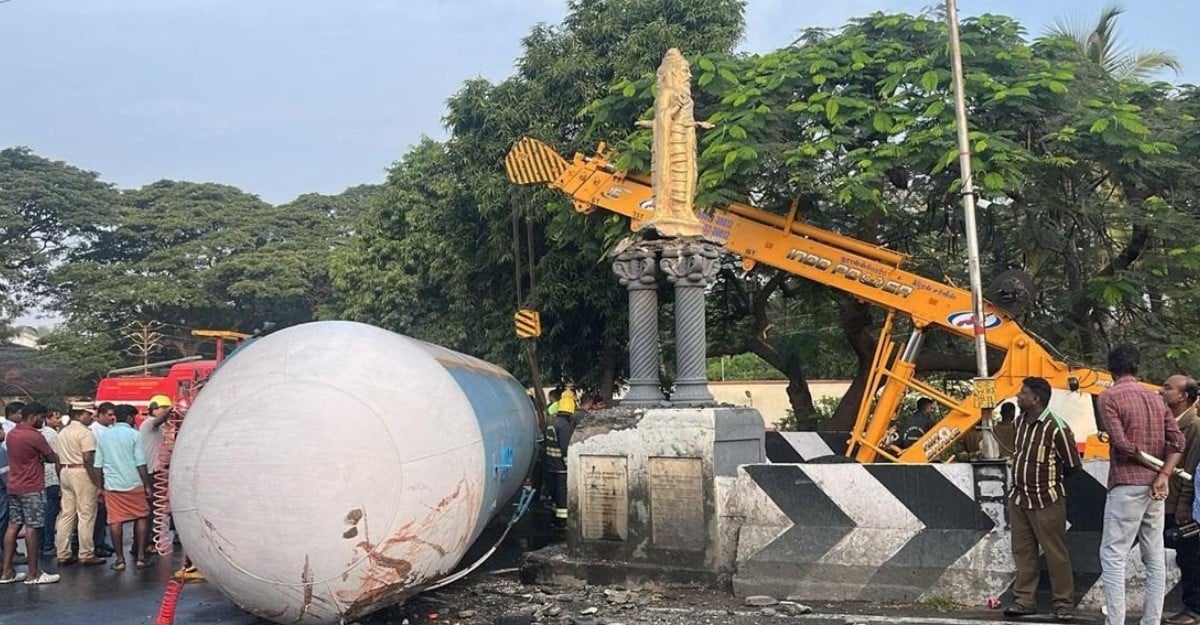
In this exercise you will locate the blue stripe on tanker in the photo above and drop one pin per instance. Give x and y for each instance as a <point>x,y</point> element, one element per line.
<point>332,469</point>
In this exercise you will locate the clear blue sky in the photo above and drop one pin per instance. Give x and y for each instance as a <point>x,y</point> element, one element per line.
<point>283,97</point>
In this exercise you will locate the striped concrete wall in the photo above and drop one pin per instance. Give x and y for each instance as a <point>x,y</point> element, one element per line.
<point>898,533</point>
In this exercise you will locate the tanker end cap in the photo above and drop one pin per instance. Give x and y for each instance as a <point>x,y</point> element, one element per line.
<point>416,448</point>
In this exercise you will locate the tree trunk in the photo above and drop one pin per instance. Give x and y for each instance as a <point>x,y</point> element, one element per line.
<point>799,395</point>
<point>1085,306</point>
<point>789,362</point>
<point>856,326</point>
<point>609,361</point>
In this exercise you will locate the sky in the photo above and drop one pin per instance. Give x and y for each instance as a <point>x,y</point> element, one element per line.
<point>284,97</point>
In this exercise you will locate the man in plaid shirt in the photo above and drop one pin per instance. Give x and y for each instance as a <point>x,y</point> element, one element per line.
<point>1138,421</point>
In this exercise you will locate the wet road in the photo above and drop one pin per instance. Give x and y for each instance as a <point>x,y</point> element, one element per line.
<point>96,595</point>
<point>99,595</point>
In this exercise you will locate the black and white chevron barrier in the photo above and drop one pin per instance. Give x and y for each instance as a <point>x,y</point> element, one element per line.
<point>898,533</point>
<point>805,446</point>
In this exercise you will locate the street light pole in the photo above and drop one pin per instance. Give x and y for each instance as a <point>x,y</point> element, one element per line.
<point>989,445</point>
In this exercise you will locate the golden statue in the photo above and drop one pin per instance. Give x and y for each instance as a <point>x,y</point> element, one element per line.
<point>674,150</point>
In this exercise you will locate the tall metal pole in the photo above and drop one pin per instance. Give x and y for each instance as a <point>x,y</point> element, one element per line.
<point>989,445</point>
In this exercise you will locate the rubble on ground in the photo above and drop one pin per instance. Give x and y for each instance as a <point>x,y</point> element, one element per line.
<point>501,599</point>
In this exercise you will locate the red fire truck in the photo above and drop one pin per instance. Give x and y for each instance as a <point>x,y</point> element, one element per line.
<point>182,376</point>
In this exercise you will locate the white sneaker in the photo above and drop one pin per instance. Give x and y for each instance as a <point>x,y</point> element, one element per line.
<point>14,579</point>
<point>44,578</point>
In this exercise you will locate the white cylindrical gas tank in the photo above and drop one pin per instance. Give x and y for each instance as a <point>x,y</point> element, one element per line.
<point>334,468</point>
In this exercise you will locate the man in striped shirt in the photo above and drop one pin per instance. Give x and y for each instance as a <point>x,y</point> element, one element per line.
<point>1044,452</point>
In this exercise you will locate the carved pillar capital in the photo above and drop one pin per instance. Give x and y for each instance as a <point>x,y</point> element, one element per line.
<point>636,268</point>
<point>692,263</point>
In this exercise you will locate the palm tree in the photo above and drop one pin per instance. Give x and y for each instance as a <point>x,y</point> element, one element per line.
<point>1099,43</point>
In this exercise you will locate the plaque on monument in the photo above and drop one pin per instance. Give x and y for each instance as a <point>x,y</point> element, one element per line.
<point>677,503</point>
<point>604,497</point>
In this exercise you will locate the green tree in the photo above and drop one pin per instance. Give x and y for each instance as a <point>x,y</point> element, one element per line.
<point>448,218</point>
<point>1100,44</point>
<point>403,269</point>
<point>857,125</point>
<point>46,208</point>
<point>193,256</point>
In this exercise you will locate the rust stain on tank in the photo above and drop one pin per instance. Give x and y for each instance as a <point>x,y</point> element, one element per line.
<point>400,566</point>
<point>350,533</point>
<point>354,516</point>
<point>378,597</point>
<point>390,578</point>
<point>403,538</point>
<point>474,502</point>
<point>306,578</point>
<point>445,501</point>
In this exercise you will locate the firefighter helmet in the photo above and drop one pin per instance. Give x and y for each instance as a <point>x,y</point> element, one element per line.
<point>566,403</point>
<point>160,401</point>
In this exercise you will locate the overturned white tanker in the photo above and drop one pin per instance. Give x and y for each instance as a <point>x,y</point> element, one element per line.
<point>334,468</point>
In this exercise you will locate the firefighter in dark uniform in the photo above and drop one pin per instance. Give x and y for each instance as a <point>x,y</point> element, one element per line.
<point>558,438</point>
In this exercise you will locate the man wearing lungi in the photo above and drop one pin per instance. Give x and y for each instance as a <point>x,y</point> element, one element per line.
<point>126,484</point>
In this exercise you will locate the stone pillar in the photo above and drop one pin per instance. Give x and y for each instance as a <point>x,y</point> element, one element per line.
<point>636,269</point>
<point>690,266</point>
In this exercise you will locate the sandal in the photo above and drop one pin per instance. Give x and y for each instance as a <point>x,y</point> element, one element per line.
<point>1063,614</point>
<point>141,564</point>
<point>17,577</point>
<point>43,578</point>
<point>119,565</point>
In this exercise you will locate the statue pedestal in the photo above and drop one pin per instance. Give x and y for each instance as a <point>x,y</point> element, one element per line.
<point>645,501</point>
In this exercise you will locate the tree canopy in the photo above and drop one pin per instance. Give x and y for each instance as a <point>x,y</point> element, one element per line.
<point>189,255</point>
<point>1087,170</point>
<point>1089,189</point>
<point>451,248</point>
<point>1099,42</point>
<point>46,207</point>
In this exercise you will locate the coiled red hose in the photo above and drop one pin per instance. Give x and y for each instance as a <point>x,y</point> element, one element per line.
<point>163,543</point>
<point>170,602</point>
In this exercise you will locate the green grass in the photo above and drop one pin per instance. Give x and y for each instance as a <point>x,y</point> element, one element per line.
<point>941,604</point>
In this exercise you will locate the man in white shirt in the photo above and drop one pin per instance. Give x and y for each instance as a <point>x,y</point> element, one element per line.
<point>106,415</point>
<point>13,408</point>
<point>151,430</point>
<point>49,431</point>
<point>6,426</point>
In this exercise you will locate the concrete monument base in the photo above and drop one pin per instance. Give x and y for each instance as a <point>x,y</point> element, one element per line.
<point>648,503</point>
